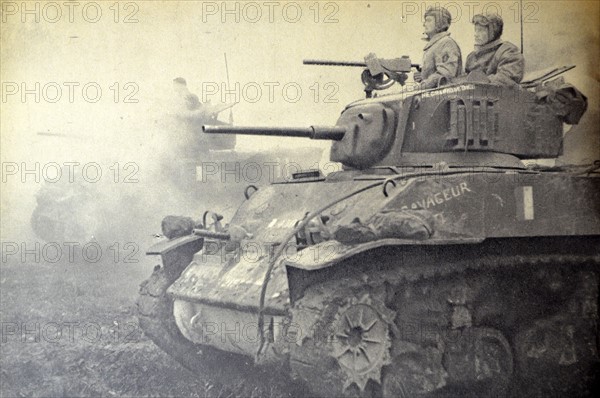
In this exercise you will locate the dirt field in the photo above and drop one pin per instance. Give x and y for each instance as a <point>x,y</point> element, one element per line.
<point>69,330</point>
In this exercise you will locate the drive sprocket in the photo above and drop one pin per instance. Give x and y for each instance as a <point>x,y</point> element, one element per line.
<point>348,341</point>
<point>361,342</point>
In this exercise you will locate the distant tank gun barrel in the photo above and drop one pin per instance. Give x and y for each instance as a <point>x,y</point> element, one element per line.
<point>334,133</point>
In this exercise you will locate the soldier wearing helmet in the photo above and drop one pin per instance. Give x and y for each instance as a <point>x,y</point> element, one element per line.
<point>442,59</point>
<point>501,61</point>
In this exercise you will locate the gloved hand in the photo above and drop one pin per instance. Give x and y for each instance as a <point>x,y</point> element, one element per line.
<point>417,77</point>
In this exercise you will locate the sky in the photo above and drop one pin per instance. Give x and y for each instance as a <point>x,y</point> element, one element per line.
<point>131,51</point>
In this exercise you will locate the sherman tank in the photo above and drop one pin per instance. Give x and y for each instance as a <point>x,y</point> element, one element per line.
<point>436,263</point>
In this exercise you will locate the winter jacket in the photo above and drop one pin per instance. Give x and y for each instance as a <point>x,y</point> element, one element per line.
<point>442,58</point>
<point>502,62</point>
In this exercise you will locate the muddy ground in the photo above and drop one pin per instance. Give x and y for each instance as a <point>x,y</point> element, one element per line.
<point>69,330</point>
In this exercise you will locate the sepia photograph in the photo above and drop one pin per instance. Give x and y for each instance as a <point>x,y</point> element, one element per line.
<point>288,199</point>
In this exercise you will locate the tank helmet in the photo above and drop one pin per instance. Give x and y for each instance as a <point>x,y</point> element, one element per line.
<point>442,16</point>
<point>494,23</point>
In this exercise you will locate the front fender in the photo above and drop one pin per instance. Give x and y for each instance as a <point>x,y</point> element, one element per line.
<point>163,247</point>
<point>177,253</point>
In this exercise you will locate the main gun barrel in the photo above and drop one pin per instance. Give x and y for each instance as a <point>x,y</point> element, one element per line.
<point>334,133</point>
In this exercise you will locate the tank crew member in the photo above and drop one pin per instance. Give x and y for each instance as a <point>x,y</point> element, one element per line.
<point>191,114</point>
<point>189,106</point>
<point>501,61</point>
<point>442,60</point>
<point>187,100</point>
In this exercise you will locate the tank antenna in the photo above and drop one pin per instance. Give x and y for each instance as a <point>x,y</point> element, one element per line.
<point>521,18</point>
<point>229,86</point>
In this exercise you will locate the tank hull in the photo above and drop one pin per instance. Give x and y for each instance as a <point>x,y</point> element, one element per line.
<point>479,280</point>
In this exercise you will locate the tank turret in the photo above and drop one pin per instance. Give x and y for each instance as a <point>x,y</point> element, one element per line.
<point>464,122</point>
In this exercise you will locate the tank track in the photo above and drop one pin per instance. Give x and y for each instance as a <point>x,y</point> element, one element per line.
<point>155,318</point>
<point>503,318</point>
